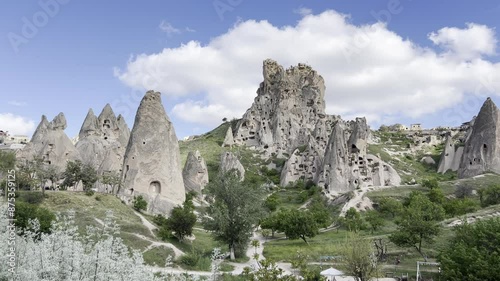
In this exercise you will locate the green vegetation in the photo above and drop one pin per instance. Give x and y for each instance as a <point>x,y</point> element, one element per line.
<point>157,256</point>
<point>473,252</point>
<point>181,220</point>
<point>139,203</point>
<point>233,212</point>
<point>76,171</point>
<point>26,212</point>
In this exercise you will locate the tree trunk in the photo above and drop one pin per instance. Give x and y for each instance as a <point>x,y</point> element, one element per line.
<point>231,250</point>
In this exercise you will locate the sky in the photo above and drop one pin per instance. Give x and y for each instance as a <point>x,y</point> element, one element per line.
<point>393,61</point>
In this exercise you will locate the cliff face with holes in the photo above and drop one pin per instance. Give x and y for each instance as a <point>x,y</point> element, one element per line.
<point>50,144</point>
<point>481,150</point>
<point>347,165</point>
<point>287,118</point>
<point>151,165</point>
<point>103,140</point>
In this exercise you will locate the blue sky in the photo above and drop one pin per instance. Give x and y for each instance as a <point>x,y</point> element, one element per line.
<point>431,62</point>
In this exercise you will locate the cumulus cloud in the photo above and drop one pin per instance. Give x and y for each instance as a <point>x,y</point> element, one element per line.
<point>16,125</point>
<point>469,43</point>
<point>368,69</point>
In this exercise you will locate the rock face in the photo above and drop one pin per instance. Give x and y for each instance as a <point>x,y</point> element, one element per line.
<point>451,156</point>
<point>346,163</point>
<point>103,140</point>
<point>228,140</point>
<point>151,167</point>
<point>51,144</point>
<point>228,162</point>
<point>287,118</point>
<point>481,152</point>
<point>195,173</point>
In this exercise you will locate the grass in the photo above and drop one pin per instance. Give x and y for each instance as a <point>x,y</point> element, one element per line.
<point>157,256</point>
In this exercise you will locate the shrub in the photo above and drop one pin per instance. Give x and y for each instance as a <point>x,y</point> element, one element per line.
<point>31,197</point>
<point>140,204</point>
<point>490,195</point>
<point>89,192</point>
<point>190,259</point>
<point>26,211</point>
<point>460,207</point>
<point>98,198</point>
<point>430,183</point>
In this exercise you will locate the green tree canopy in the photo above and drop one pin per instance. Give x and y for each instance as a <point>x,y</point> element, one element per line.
<point>418,222</point>
<point>473,253</point>
<point>236,208</point>
<point>359,259</point>
<point>182,219</point>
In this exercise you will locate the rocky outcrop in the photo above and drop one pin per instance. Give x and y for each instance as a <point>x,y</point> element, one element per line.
<point>451,156</point>
<point>151,167</point>
<point>195,173</point>
<point>481,152</point>
<point>103,140</point>
<point>286,112</point>
<point>229,162</point>
<point>347,165</point>
<point>228,140</point>
<point>51,144</point>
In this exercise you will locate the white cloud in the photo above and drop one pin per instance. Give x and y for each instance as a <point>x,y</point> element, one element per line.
<point>16,125</point>
<point>303,11</point>
<point>17,103</point>
<point>368,69</point>
<point>470,43</point>
<point>188,29</point>
<point>168,28</point>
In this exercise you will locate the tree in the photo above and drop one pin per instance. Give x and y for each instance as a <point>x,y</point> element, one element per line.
<point>358,258</point>
<point>182,219</point>
<point>320,212</point>
<point>352,220</point>
<point>139,203</point>
<point>113,179</point>
<point>272,202</point>
<point>77,171</point>
<point>234,211</point>
<point>272,222</point>
<point>7,161</point>
<point>266,271</point>
<point>430,183</point>
<point>374,220</point>
<point>299,224</point>
<point>473,253</point>
<point>26,212</point>
<point>390,206</point>
<point>418,223</point>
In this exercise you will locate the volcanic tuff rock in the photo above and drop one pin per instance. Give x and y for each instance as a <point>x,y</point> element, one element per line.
<point>229,162</point>
<point>51,144</point>
<point>450,158</point>
<point>346,164</point>
<point>103,140</point>
<point>195,173</point>
<point>151,167</point>
<point>228,140</point>
<point>288,112</point>
<point>481,152</point>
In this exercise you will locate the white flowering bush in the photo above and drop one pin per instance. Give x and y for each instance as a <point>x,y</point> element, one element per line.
<point>64,255</point>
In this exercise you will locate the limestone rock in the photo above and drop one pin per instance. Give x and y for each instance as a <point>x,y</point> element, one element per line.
<point>346,164</point>
<point>195,173</point>
<point>228,140</point>
<point>102,141</point>
<point>481,152</point>
<point>229,162</point>
<point>151,167</point>
<point>51,144</point>
<point>427,160</point>
<point>450,158</point>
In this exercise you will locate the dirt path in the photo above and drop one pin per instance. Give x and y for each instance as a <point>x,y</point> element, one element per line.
<point>146,223</point>
<point>360,202</point>
<point>176,250</point>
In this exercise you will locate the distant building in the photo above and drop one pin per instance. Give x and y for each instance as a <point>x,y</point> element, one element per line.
<point>401,127</point>
<point>416,127</point>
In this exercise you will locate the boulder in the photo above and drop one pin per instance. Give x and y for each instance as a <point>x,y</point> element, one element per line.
<point>151,166</point>
<point>195,173</point>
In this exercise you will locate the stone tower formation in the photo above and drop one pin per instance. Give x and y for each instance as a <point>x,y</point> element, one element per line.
<point>481,150</point>
<point>151,165</point>
<point>287,119</point>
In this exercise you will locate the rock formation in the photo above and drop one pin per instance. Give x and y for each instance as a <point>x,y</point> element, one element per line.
<point>481,152</point>
<point>195,173</point>
<point>229,162</point>
<point>103,140</point>
<point>228,140</point>
<point>51,144</point>
<point>451,156</point>
<point>347,165</point>
<point>151,167</point>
